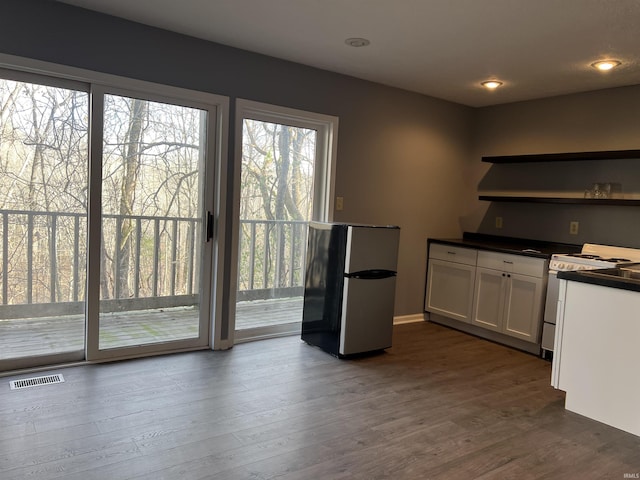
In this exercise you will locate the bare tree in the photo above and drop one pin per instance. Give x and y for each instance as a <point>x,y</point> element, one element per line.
<point>131,165</point>
<point>151,169</point>
<point>277,185</point>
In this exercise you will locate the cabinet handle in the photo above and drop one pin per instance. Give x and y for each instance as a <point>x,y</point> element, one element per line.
<point>504,274</point>
<point>505,261</point>
<point>451,253</point>
<point>508,276</point>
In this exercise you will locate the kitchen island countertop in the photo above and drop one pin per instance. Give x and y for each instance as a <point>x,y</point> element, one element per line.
<point>607,277</point>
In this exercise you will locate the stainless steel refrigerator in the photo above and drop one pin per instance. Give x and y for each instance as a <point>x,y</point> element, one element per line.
<point>350,284</point>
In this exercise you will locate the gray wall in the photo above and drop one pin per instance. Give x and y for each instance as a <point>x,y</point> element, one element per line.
<point>601,120</point>
<point>402,157</point>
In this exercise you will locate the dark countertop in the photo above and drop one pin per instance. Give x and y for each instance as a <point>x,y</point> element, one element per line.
<point>514,246</point>
<point>607,277</point>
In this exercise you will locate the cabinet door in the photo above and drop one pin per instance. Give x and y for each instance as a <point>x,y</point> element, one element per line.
<point>489,299</point>
<point>450,289</point>
<point>523,307</point>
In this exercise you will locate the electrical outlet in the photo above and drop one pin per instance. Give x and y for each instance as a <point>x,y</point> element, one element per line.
<point>339,203</point>
<point>498,222</point>
<point>573,228</point>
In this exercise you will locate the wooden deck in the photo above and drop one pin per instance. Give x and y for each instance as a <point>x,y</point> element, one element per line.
<point>51,335</point>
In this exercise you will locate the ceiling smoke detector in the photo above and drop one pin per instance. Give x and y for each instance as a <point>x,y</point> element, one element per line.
<point>357,42</point>
<point>606,65</point>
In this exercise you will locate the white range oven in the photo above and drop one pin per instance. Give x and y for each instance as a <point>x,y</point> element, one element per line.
<point>592,257</point>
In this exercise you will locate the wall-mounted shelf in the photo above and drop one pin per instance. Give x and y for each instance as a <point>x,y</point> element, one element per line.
<point>557,157</point>
<point>572,201</point>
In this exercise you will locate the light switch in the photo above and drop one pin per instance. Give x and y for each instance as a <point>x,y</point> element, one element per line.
<point>339,203</point>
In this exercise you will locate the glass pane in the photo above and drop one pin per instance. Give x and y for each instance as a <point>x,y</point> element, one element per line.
<point>276,202</point>
<point>152,176</point>
<point>43,209</point>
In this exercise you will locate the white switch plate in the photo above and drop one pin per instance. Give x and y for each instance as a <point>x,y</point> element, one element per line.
<point>339,203</point>
<point>573,228</point>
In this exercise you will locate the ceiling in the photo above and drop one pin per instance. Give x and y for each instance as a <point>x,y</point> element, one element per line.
<point>442,48</point>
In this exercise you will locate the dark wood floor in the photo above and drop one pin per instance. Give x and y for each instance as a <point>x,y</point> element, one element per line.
<point>439,404</point>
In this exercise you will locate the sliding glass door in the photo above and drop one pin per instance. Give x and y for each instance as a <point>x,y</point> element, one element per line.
<point>153,174</point>
<point>44,130</point>
<point>106,201</point>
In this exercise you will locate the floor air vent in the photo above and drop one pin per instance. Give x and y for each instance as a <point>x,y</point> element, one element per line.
<point>36,381</point>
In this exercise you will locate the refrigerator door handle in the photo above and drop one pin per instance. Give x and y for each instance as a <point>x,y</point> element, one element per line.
<point>371,274</point>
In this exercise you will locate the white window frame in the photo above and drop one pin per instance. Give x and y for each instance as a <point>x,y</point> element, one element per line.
<point>95,225</point>
<point>324,175</point>
<point>215,196</point>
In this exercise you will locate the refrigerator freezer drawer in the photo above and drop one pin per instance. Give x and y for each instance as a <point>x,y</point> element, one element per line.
<point>367,315</point>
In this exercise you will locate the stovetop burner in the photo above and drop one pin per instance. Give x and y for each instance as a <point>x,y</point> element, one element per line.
<point>596,256</point>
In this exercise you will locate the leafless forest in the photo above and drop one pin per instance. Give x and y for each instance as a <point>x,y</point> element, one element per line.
<point>152,179</point>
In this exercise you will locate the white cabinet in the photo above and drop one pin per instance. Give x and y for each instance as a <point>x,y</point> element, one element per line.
<point>509,294</point>
<point>489,297</point>
<point>450,281</point>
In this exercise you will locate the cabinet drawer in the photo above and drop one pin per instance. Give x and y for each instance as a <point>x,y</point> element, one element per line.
<point>533,267</point>
<point>450,253</point>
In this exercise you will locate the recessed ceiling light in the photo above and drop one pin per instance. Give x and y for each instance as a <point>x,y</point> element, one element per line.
<point>357,42</point>
<point>491,84</point>
<point>606,65</point>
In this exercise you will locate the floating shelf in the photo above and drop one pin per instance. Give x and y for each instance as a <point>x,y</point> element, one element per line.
<point>556,157</point>
<point>572,201</point>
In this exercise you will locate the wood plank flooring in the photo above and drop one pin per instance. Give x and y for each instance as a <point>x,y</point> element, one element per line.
<point>439,404</point>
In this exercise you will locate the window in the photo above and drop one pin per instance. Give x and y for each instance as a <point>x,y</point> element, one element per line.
<point>109,193</point>
<point>285,163</point>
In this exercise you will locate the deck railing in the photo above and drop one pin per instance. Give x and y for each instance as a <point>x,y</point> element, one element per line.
<point>271,258</point>
<point>43,262</point>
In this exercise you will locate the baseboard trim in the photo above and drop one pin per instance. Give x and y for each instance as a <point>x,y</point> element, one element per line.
<point>415,318</point>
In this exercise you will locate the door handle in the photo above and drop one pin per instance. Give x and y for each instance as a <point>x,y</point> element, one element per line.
<point>209,234</point>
